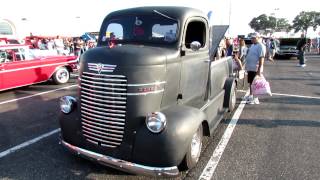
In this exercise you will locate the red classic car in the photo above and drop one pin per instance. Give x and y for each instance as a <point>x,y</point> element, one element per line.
<point>20,67</point>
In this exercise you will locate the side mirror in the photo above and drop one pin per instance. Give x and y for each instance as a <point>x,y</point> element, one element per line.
<point>195,45</point>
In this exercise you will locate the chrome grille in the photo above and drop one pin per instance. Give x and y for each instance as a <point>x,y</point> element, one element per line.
<point>103,108</point>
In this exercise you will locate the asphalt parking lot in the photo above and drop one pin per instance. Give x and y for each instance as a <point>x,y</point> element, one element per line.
<point>277,139</point>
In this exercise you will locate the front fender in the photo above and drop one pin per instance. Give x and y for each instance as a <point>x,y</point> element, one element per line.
<point>168,147</point>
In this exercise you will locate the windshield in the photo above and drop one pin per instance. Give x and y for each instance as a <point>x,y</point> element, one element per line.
<point>140,29</point>
<point>289,41</point>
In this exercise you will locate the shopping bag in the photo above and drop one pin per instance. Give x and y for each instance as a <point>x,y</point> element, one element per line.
<point>260,86</point>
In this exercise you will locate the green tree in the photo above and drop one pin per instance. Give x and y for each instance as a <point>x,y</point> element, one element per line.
<point>266,24</point>
<point>259,23</point>
<point>305,20</point>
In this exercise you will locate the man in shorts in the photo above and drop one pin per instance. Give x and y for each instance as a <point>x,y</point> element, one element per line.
<point>254,64</point>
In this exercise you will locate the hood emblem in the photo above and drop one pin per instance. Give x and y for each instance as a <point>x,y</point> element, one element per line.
<point>100,68</point>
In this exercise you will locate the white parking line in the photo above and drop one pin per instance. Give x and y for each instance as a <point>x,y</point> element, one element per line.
<point>46,92</point>
<point>211,166</point>
<point>27,143</point>
<point>290,95</point>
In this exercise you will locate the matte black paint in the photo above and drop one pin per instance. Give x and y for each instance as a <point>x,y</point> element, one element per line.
<point>189,74</point>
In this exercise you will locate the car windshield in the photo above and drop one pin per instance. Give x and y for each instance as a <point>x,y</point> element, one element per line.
<point>289,41</point>
<point>140,29</point>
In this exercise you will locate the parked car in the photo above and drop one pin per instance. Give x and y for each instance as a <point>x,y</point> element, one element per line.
<point>148,95</point>
<point>287,47</point>
<point>20,67</point>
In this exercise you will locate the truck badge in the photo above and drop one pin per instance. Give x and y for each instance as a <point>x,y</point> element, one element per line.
<point>98,67</point>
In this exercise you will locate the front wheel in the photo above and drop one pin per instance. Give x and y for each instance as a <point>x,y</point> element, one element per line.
<point>194,150</point>
<point>61,76</point>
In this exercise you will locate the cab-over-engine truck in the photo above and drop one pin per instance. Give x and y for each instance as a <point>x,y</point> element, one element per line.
<point>148,92</point>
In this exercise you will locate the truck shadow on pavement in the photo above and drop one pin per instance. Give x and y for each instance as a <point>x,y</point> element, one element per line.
<point>267,123</point>
<point>292,100</point>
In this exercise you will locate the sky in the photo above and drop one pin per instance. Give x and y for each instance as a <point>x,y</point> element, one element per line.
<point>67,17</point>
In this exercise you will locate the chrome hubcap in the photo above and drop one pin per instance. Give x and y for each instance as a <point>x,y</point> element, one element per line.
<point>196,146</point>
<point>62,76</point>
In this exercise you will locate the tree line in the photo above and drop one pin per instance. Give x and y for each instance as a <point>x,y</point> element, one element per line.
<point>270,24</point>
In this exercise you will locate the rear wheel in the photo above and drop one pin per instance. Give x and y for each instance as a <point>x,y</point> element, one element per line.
<point>194,150</point>
<point>61,76</point>
<point>230,96</point>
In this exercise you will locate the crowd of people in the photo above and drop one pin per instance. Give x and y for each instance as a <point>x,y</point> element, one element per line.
<point>63,46</point>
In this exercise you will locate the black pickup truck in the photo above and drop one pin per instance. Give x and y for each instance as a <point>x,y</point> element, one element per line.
<point>148,92</point>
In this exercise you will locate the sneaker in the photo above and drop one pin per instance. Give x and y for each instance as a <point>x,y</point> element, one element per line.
<point>256,100</point>
<point>247,98</point>
<point>303,65</point>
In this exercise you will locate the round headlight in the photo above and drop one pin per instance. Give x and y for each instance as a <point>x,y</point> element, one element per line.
<point>156,122</point>
<point>67,104</point>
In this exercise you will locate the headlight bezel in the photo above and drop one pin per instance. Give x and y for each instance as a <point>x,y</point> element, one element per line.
<point>67,104</point>
<point>156,122</point>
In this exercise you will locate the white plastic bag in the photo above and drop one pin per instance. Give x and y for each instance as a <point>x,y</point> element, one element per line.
<point>260,86</point>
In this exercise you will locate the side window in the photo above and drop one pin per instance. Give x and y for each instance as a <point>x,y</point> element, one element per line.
<point>6,56</point>
<point>196,31</point>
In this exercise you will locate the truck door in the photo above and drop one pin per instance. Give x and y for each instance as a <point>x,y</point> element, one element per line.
<point>195,64</point>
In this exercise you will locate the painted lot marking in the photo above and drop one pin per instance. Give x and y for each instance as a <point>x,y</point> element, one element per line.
<point>291,95</point>
<point>27,143</point>
<point>46,92</point>
<point>211,166</point>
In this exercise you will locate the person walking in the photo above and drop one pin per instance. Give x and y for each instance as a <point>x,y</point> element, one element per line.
<point>254,64</point>
<point>301,45</point>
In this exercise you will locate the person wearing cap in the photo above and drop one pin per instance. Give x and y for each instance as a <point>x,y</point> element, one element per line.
<point>254,64</point>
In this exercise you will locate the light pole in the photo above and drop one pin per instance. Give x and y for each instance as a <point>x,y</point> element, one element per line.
<point>276,9</point>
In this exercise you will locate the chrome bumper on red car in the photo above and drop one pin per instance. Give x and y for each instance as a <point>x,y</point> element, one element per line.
<point>123,165</point>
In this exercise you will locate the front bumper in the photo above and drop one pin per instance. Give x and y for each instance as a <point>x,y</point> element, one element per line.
<point>121,164</point>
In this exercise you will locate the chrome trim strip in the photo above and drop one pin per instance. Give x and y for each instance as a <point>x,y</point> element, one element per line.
<point>100,140</point>
<point>32,67</point>
<point>125,94</point>
<point>94,142</point>
<point>84,117</point>
<point>106,145</point>
<point>103,113</point>
<point>114,131</point>
<point>104,97</point>
<point>102,83</point>
<point>101,136</point>
<point>102,117</point>
<point>106,75</point>
<point>103,133</point>
<point>113,84</point>
<point>123,165</point>
<point>147,84</point>
<point>107,88</point>
<point>103,109</point>
<point>102,79</point>
<point>97,80</point>
<point>102,92</point>
<point>104,101</point>
<point>105,105</point>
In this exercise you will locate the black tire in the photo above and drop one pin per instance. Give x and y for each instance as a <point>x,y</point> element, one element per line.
<point>230,96</point>
<point>61,76</point>
<point>194,150</point>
